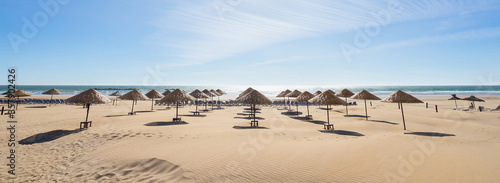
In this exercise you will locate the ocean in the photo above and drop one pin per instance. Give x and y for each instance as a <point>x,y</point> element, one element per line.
<point>272,91</point>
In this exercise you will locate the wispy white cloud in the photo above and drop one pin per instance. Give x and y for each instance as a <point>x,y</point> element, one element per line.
<point>464,35</point>
<point>200,33</point>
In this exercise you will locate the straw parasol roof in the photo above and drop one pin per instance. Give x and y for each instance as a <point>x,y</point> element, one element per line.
<point>249,89</point>
<point>283,93</point>
<point>254,97</point>
<point>220,91</point>
<point>215,92</point>
<point>90,96</point>
<point>304,97</point>
<point>166,92</point>
<point>154,94</point>
<point>177,96</point>
<point>344,93</point>
<point>318,92</point>
<point>116,93</point>
<point>454,97</point>
<point>134,95</point>
<point>365,95</point>
<point>327,98</point>
<point>473,98</point>
<point>210,94</point>
<point>401,97</point>
<point>18,93</point>
<point>295,93</point>
<point>52,91</point>
<point>198,94</point>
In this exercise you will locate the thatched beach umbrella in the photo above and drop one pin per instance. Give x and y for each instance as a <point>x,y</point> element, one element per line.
<point>218,95</point>
<point>210,94</point>
<point>152,95</point>
<point>401,97</point>
<point>365,95</point>
<point>221,93</point>
<point>317,92</point>
<point>88,97</point>
<point>327,98</point>
<point>294,94</point>
<point>197,94</point>
<point>283,94</point>
<point>18,93</point>
<point>248,90</point>
<point>253,98</point>
<point>473,99</point>
<point>345,93</point>
<point>52,92</point>
<point>304,97</point>
<point>116,94</point>
<point>175,97</point>
<point>166,92</point>
<point>134,95</point>
<point>455,98</point>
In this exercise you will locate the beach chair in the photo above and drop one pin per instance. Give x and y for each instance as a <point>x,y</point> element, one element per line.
<point>497,109</point>
<point>328,126</point>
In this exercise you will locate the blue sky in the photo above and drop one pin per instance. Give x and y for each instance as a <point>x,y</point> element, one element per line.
<point>252,42</point>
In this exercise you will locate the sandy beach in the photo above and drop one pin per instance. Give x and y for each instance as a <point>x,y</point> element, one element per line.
<point>220,146</point>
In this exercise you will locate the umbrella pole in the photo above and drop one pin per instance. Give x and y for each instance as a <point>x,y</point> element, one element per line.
<point>88,108</point>
<point>212,103</point>
<point>346,104</point>
<point>307,103</point>
<point>51,100</point>
<point>254,112</point>
<point>17,103</point>
<point>403,114</point>
<point>327,114</point>
<point>133,101</point>
<point>116,99</point>
<point>196,104</point>
<point>177,111</point>
<point>152,103</point>
<point>206,104</point>
<point>366,111</point>
<point>456,106</point>
<point>297,104</point>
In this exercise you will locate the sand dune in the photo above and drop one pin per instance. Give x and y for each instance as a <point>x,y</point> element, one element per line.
<point>448,146</point>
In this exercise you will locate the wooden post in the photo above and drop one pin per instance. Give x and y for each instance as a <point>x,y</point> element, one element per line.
<point>426,105</point>
<point>2,110</point>
<point>366,111</point>
<point>297,104</point>
<point>307,103</point>
<point>50,103</point>
<point>88,108</point>
<point>152,100</point>
<point>436,108</point>
<point>346,104</point>
<point>403,114</point>
<point>399,105</point>
<point>371,104</point>
<point>133,101</point>
<point>177,111</point>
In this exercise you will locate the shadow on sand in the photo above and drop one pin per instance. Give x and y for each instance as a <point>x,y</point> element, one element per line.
<point>166,123</point>
<point>355,116</point>
<point>143,111</point>
<point>37,107</point>
<point>118,115</point>
<point>342,132</point>
<point>381,121</point>
<point>190,115</point>
<point>259,118</point>
<point>47,136</point>
<point>430,134</point>
<point>249,127</point>
<point>293,113</point>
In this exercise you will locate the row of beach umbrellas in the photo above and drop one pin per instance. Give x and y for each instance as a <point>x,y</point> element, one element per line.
<point>331,98</point>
